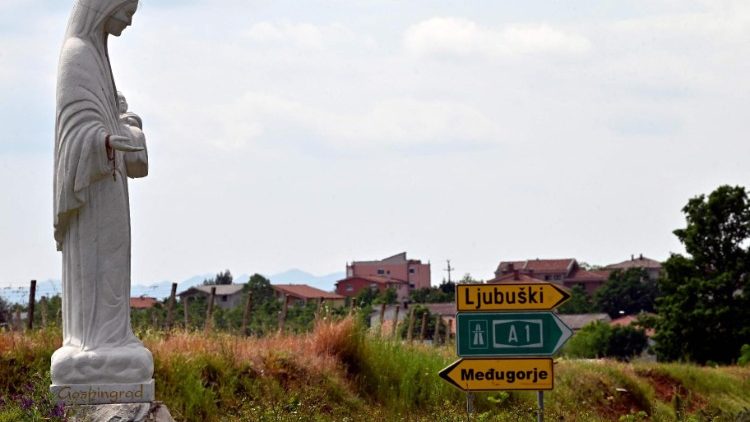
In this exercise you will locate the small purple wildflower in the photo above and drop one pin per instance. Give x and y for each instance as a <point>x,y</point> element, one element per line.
<point>26,403</point>
<point>58,411</point>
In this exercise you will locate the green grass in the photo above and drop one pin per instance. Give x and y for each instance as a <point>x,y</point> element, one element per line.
<point>339,372</point>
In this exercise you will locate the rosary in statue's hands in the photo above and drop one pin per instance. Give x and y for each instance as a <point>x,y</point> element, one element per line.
<point>122,143</point>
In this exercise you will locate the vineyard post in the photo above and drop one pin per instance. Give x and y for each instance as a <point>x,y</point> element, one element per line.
<point>423,333</point>
<point>246,314</point>
<point>32,299</point>
<point>185,300</point>
<point>43,310</point>
<point>210,310</point>
<point>170,307</point>
<point>395,322</point>
<point>410,334</point>
<point>284,309</point>
<point>436,337</point>
<point>382,318</point>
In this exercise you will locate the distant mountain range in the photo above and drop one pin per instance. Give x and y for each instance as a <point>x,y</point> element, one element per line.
<point>161,289</point>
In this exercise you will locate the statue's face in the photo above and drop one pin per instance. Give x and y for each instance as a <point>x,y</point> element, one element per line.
<point>122,103</point>
<point>121,18</point>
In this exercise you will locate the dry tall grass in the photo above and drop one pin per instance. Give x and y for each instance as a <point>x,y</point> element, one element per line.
<point>318,351</point>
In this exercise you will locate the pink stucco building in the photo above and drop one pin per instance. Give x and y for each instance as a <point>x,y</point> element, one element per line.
<point>394,271</point>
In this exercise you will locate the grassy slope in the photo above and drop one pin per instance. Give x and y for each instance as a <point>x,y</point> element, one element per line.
<point>338,373</point>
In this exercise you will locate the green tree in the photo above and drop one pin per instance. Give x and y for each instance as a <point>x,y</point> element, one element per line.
<point>433,295</point>
<point>387,296</point>
<point>626,342</point>
<point>591,341</point>
<point>630,291</point>
<point>744,355</point>
<point>580,302</point>
<point>467,279</point>
<point>366,297</point>
<point>220,278</point>
<point>704,311</point>
<point>260,288</point>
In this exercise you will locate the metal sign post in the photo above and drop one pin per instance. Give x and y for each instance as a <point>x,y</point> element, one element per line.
<point>469,405</point>
<point>503,333</point>
<point>540,405</point>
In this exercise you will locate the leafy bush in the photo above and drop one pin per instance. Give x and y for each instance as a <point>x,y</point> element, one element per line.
<point>599,340</point>
<point>626,342</point>
<point>590,342</point>
<point>744,355</point>
<point>580,302</point>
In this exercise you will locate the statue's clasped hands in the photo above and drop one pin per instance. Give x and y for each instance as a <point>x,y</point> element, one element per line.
<point>122,143</point>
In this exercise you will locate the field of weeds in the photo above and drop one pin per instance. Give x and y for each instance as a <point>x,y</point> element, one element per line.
<point>338,372</point>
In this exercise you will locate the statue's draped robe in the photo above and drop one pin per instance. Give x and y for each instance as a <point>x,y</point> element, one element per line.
<point>91,212</point>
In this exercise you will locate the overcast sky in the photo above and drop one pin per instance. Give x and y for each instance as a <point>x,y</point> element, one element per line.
<point>287,134</point>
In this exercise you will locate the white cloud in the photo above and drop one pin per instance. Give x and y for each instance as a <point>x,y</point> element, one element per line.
<point>450,36</point>
<point>256,117</point>
<point>408,120</point>
<point>308,129</point>
<point>721,23</point>
<point>300,35</point>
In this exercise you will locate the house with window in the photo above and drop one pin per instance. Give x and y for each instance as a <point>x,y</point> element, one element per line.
<point>227,295</point>
<point>397,267</point>
<point>301,294</point>
<point>397,271</point>
<point>652,266</point>
<point>566,272</point>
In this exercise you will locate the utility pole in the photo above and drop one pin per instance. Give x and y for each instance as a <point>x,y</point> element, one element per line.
<point>449,269</point>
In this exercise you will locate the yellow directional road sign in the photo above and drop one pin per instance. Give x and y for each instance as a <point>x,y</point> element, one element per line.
<point>500,374</point>
<point>509,297</point>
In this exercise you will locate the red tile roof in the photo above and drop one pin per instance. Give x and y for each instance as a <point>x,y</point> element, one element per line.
<point>511,278</point>
<point>376,279</point>
<point>630,320</point>
<point>588,276</point>
<point>143,302</point>
<point>549,265</point>
<point>539,265</point>
<point>505,265</point>
<point>306,292</point>
<point>633,262</point>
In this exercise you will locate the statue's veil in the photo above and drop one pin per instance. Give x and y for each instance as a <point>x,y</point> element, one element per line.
<point>88,16</point>
<point>86,106</point>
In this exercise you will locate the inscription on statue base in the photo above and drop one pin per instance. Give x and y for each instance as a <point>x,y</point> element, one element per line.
<point>81,394</point>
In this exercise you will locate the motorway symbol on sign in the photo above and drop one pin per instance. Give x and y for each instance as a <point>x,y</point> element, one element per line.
<point>500,374</point>
<point>483,334</point>
<point>509,297</point>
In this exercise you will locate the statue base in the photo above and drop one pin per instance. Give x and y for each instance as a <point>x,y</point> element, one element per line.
<point>90,394</point>
<point>134,412</point>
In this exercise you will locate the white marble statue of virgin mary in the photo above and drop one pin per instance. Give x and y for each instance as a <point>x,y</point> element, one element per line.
<point>95,153</point>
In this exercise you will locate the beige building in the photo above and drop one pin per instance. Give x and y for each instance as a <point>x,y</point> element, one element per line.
<point>227,295</point>
<point>652,266</point>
